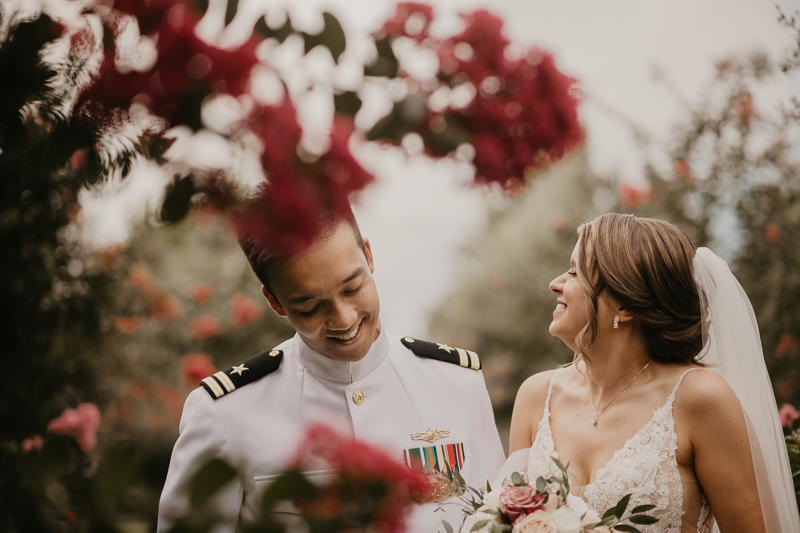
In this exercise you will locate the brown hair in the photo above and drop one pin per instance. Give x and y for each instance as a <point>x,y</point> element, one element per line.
<point>267,246</point>
<point>646,265</point>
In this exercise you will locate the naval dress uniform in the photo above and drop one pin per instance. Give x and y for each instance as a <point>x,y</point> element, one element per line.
<point>402,387</point>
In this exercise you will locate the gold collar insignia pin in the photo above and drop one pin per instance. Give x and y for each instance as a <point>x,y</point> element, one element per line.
<point>431,434</point>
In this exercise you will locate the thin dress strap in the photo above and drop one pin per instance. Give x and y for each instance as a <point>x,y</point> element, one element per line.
<point>678,383</point>
<point>549,391</point>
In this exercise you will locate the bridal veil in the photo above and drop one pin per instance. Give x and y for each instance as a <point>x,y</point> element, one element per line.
<point>732,348</point>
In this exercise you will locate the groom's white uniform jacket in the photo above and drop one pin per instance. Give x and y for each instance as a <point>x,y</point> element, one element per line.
<point>384,398</point>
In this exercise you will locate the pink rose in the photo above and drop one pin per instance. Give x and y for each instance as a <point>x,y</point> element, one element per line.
<point>788,415</point>
<point>80,423</point>
<point>518,501</point>
<point>33,443</point>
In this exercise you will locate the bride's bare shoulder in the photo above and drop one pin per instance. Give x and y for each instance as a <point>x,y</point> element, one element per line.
<point>534,389</point>
<point>705,394</point>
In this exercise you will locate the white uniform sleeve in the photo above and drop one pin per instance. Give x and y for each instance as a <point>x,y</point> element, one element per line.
<point>203,437</point>
<point>487,451</point>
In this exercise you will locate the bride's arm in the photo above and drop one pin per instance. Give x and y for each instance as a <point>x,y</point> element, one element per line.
<point>528,410</point>
<point>721,450</point>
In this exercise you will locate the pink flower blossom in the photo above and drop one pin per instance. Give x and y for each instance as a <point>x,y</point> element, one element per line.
<point>201,292</point>
<point>788,415</point>
<point>80,423</point>
<point>398,25</point>
<point>33,443</point>
<point>205,327</point>
<point>245,311</point>
<point>195,367</point>
<point>166,307</point>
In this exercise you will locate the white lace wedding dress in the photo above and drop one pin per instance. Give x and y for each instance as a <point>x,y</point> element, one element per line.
<point>645,467</point>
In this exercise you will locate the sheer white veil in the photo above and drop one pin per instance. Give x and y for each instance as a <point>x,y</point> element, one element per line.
<point>732,348</point>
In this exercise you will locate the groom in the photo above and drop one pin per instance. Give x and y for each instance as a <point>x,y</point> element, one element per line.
<point>412,398</point>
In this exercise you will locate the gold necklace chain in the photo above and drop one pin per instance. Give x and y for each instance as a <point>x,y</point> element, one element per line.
<point>596,414</point>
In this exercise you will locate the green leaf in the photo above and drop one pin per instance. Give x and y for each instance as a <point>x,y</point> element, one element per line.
<point>267,32</point>
<point>332,37</point>
<point>230,12</point>
<point>460,479</point>
<point>289,486</point>
<point>386,64</point>
<point>447,527</point>
<point>643,519</point>
<point>347,103</point>
<point>626,528</point>
<point>177,199</point>
<point>211,477</point>
<point>643,509</point>
<point>479,524</point>
<point>621,506</point>
<point>404,118</point>
<point>609,513</point>
<point>516,477</point>
<point>558,463</point>
<point>541,484</point>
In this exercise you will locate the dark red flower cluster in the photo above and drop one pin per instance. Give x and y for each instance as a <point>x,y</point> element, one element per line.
<point>525,111</point>
<point>283,214</point>
<point>186,70</point>
<point>410,19</point>
<point>364,473</point>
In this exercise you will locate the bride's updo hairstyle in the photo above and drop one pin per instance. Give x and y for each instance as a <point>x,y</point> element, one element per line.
<point>646,265</point>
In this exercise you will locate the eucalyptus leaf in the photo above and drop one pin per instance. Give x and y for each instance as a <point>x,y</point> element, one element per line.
<point>643,519</point>
<point>516,477</point>
<point>541,484</point>
<point>626,528</point>
<point>609,513</point>
<point>447,527</point>
<point>622,505</point>
<point>479,524</point>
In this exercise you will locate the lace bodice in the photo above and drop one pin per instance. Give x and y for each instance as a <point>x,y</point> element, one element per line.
<point>645,467</point>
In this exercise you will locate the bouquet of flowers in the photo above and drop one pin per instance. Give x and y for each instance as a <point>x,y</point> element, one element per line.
<point>544,507</point>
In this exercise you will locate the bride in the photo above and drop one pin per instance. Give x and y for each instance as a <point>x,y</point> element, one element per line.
<point>668,397</point>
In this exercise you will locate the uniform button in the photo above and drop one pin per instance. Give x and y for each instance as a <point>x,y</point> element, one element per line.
<point>409,339</point>
<point>358,397</point>
<point>273,353</point>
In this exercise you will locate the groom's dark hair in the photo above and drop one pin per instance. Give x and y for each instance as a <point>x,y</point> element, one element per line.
<point>646,265</point>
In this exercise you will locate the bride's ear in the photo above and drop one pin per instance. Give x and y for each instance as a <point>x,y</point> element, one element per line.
<point>624,315</point>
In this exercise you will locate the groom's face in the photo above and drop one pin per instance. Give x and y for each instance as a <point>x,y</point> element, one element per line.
<point>328,294</point>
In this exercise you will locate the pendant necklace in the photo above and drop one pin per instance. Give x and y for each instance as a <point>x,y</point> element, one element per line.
<point>596,414</point>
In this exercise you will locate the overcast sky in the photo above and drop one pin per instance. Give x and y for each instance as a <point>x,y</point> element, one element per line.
<point>419,214</point>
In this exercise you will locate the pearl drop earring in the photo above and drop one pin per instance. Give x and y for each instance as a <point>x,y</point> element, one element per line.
<point>616,322</point>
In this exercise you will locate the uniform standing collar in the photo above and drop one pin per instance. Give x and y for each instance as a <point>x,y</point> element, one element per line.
<point>339,371</point>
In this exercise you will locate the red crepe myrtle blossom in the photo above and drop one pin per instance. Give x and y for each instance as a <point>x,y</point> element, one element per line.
<point>359,467</point>
<point>632,196</point>
<point>788,415</point>
<point>186,69</point>
<point>524,113</point>
<point>33,443</point>
<point>201,292</point>
<point>195,367</point>
<point>520,500</point>
<point>127,324</point>
<point>410,19</point>
<point>80,423</point>
<point>205,327</point>
<point>142,279</point>
<point>772,232</point>
<point>244,311</point>
<point>166,307</point>
<point>787,345</point>
<point>684,172</point>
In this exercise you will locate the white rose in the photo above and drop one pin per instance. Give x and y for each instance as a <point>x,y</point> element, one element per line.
<point>536,522</point>
<point>492,498</point>
<point>577,504</point>
<point>473,519</point>
<point>567,520</point>
<point>592,517</point>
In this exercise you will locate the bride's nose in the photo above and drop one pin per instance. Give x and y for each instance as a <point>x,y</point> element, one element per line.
<point>557,285</point>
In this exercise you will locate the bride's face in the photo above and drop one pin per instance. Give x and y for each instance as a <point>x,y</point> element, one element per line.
<point>569,316</point>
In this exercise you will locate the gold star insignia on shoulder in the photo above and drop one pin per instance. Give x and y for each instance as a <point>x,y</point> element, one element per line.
<point>443,352</point>
<point>445,347</point>
<point>239,369</point>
